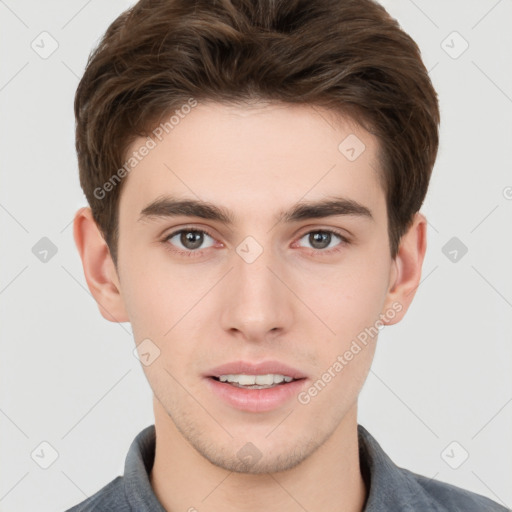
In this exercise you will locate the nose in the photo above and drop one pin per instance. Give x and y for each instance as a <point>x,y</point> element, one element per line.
<point>258,303</point>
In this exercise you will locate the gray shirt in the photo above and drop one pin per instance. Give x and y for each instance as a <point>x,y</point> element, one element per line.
<point>390,488</point>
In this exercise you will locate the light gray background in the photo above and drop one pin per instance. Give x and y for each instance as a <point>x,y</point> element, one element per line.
<point>69,377</point>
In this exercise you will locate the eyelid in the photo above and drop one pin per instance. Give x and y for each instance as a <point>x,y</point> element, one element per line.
<point>326,229</point>
<point>308,229</point>
<point>189,228</point>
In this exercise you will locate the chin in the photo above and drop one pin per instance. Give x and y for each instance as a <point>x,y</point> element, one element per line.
<point>256,457</point>
<point>256,463</point>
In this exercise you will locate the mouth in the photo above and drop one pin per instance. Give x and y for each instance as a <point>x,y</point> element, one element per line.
<point>266,381</point>
<point>256,387</point>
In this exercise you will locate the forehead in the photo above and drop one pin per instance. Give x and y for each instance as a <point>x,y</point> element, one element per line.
<point>255,158</point>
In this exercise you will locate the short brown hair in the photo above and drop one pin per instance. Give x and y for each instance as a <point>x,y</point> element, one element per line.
<point>349,56</point>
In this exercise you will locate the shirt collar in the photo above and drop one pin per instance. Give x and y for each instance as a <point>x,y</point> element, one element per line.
<point>389,487</point>
<point>139,461</point>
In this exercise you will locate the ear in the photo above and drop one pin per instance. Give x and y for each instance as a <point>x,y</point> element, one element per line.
<point>405,273</point>
<point>99,269</point>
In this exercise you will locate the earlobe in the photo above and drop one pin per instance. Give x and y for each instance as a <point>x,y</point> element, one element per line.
<point>408,265</point>
<point>99,269</point>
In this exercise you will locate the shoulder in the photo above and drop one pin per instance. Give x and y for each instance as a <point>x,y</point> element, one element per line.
<point>447,497</point>
<point>398,489</point>
<point>110,498</point>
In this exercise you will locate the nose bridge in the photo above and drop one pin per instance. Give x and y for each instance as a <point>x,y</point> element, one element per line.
<point>258,301</point>
<point>254,280</point>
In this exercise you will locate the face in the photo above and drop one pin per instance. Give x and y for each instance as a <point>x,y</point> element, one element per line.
<point>259,280</point>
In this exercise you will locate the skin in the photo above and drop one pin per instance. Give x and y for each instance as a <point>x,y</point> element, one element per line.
<point>296,303</point>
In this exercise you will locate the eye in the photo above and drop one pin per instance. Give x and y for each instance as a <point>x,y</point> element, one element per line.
<point>189,240</point>
<point>323,239</point>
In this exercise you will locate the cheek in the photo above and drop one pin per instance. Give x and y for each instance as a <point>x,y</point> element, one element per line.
<point>349,297</point>
<point>166,302</point>
<point>350,306</point>
<point>150,297</point>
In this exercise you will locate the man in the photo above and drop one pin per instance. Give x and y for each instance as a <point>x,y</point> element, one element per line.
<point>254,171</point>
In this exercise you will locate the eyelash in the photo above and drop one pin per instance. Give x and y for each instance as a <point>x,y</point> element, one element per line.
<point>197,253</point>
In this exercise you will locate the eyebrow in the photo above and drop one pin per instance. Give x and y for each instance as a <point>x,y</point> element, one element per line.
<point>165,207</point>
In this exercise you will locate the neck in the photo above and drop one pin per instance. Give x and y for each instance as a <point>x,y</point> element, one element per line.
<point>182,479</point>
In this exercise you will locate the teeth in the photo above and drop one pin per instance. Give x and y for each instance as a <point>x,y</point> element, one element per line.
<point>263,380</point>
<point>251,380</point>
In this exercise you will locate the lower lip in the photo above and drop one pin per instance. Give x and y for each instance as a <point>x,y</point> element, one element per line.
<point>256,400</point>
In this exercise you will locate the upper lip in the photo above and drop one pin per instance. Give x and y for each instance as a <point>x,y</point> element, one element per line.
<point>262,368</point>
